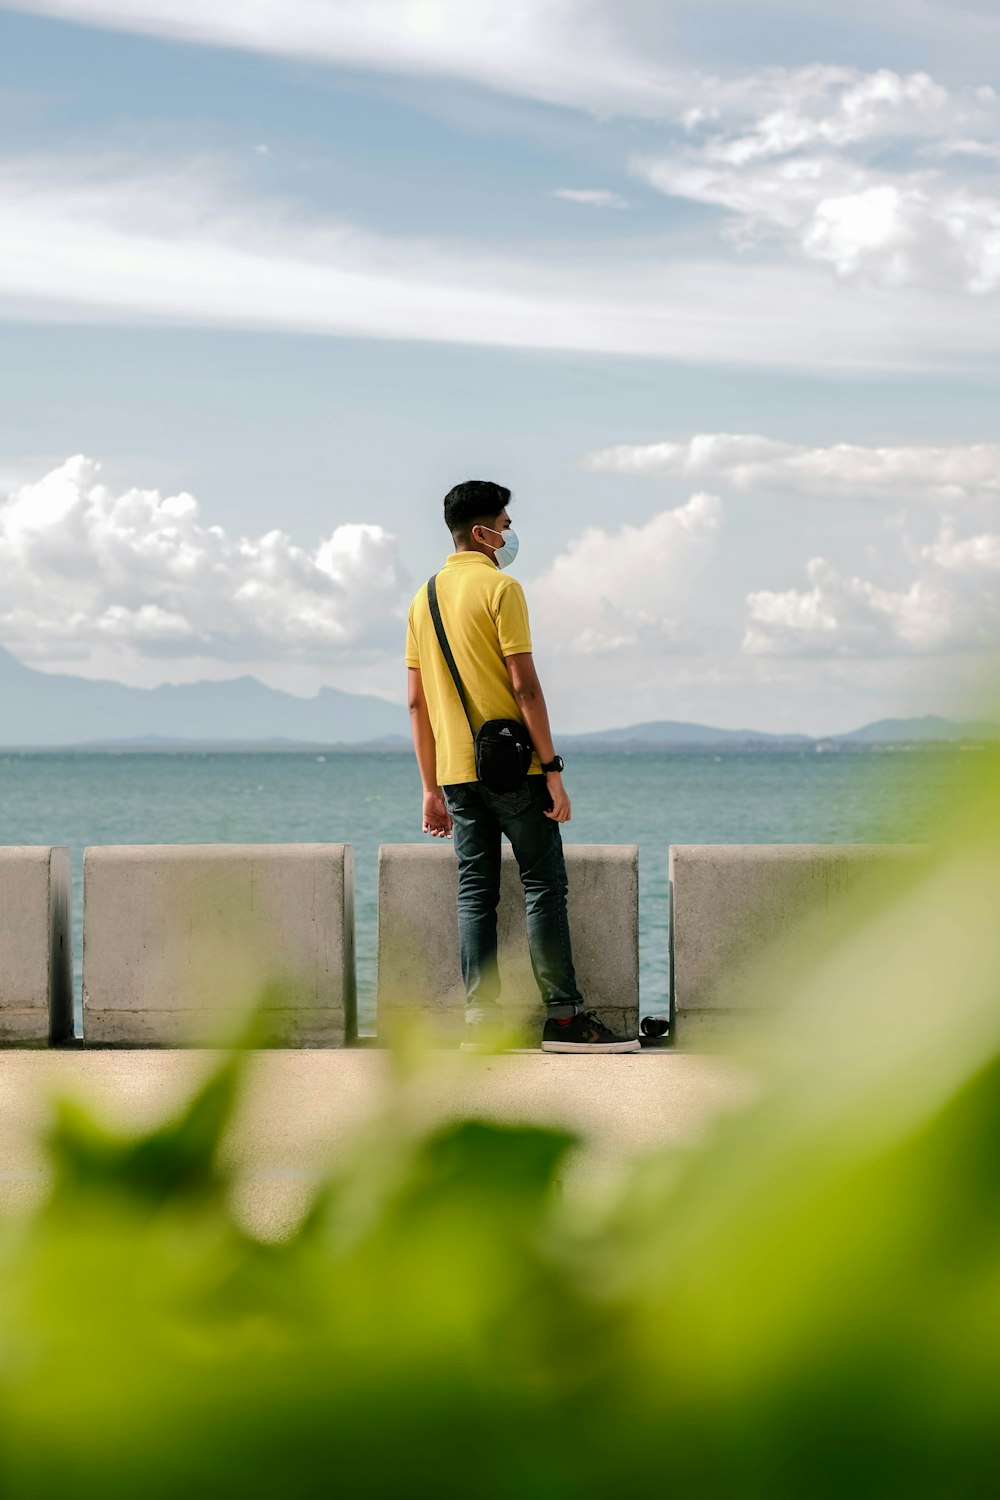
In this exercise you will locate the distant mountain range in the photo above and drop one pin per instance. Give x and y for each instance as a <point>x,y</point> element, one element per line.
<point>929,728</point>
<point>39,708</point>
<point>677,732</point>
<point>46,710</point>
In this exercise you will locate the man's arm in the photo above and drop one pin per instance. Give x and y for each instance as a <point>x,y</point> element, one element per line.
<point>531,701</point>
<point>436,817</point>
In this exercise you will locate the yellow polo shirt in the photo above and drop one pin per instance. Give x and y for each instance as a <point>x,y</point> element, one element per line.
<point>485,618</point>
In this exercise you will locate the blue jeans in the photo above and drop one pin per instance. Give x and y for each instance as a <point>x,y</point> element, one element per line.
<point>479,817</point>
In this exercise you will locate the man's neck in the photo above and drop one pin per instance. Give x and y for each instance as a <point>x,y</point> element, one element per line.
<point>472,547</point>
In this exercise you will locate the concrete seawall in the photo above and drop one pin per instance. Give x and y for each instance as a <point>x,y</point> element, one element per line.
<point>418,968</point>
<point>180,941</point>
<point>36,983</point>
<point>745,919</point>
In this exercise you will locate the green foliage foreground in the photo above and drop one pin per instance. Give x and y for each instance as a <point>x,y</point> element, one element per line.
<point>808,1304</point>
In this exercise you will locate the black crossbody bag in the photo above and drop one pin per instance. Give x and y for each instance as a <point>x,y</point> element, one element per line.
<point>503,746</point>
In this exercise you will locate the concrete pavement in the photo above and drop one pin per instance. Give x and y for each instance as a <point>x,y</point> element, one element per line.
<point>302,1108</point>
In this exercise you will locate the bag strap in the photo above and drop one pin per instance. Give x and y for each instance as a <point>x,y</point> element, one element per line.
<point>446,651</point>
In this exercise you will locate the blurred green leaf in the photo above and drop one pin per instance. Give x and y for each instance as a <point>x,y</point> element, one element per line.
<point>806,1304</point>
<point>178,1158</point>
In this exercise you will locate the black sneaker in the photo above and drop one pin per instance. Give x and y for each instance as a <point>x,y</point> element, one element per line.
<point>584,1033</point>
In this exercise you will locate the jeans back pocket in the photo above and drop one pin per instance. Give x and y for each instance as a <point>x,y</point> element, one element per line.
<point>510,803</point>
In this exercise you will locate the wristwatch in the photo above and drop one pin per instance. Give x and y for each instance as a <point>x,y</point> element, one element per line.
<point>556,764</point>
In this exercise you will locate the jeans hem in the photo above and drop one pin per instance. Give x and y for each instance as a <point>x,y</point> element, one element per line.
<point>563,1010</point>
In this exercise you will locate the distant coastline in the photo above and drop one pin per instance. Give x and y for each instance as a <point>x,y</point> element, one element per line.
<point>604,744</point>
<point>41,712</point>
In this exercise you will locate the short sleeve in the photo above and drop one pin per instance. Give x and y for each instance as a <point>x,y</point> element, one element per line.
<point>412,654</point>
<point>512,619</point>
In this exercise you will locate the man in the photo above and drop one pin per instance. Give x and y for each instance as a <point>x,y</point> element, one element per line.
<point>486,621</point>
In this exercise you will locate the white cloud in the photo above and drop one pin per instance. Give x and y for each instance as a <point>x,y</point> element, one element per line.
<point>974,554</point>
<point>844,471</point>
<point>97,240</point>
<point>592,197</point>
<point>603,55</point>
<point>907,233</point>
<point>568,52</point>
<point>829,163</point>
<point>85,569</point>
<point>18,470</point>
<point>941,150</point>
<point>887,229</point>
<point>952,605</point>
<point>934,599</point>
<point>821,105</point>
<point>616,592</point>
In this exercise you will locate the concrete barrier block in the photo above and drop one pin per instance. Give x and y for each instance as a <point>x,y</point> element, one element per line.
<point>418,966</point>
<point>36,970</point>
<point>744,917</point>
<point>181,941</point>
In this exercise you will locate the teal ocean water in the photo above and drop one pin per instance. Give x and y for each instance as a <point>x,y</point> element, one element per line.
<point>652,800</point>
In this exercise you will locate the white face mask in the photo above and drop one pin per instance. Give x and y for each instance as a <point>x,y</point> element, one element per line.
<point>505,555</point>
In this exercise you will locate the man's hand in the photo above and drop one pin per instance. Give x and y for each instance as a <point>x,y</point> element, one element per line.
<point>560,811</point>
<point>437,818</point>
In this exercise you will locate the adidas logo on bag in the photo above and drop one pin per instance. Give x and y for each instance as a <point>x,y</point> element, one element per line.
<point>506,732</point>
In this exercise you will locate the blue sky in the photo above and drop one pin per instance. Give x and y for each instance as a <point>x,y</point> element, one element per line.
<point>713,288</point>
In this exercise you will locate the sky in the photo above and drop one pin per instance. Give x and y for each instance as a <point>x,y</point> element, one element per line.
<point>714,288</point>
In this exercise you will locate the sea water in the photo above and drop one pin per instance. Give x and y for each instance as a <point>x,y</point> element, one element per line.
<point>650,799</point>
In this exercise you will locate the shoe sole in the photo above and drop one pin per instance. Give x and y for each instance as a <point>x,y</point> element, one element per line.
<point>592,1046</point>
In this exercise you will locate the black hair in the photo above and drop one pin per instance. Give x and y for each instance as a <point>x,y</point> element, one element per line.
<point>477,500</point>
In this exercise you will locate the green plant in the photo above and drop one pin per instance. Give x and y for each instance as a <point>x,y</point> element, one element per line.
<point>808,1304</point>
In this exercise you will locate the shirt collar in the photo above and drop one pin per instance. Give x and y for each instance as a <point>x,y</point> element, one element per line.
<point>465,558</point>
